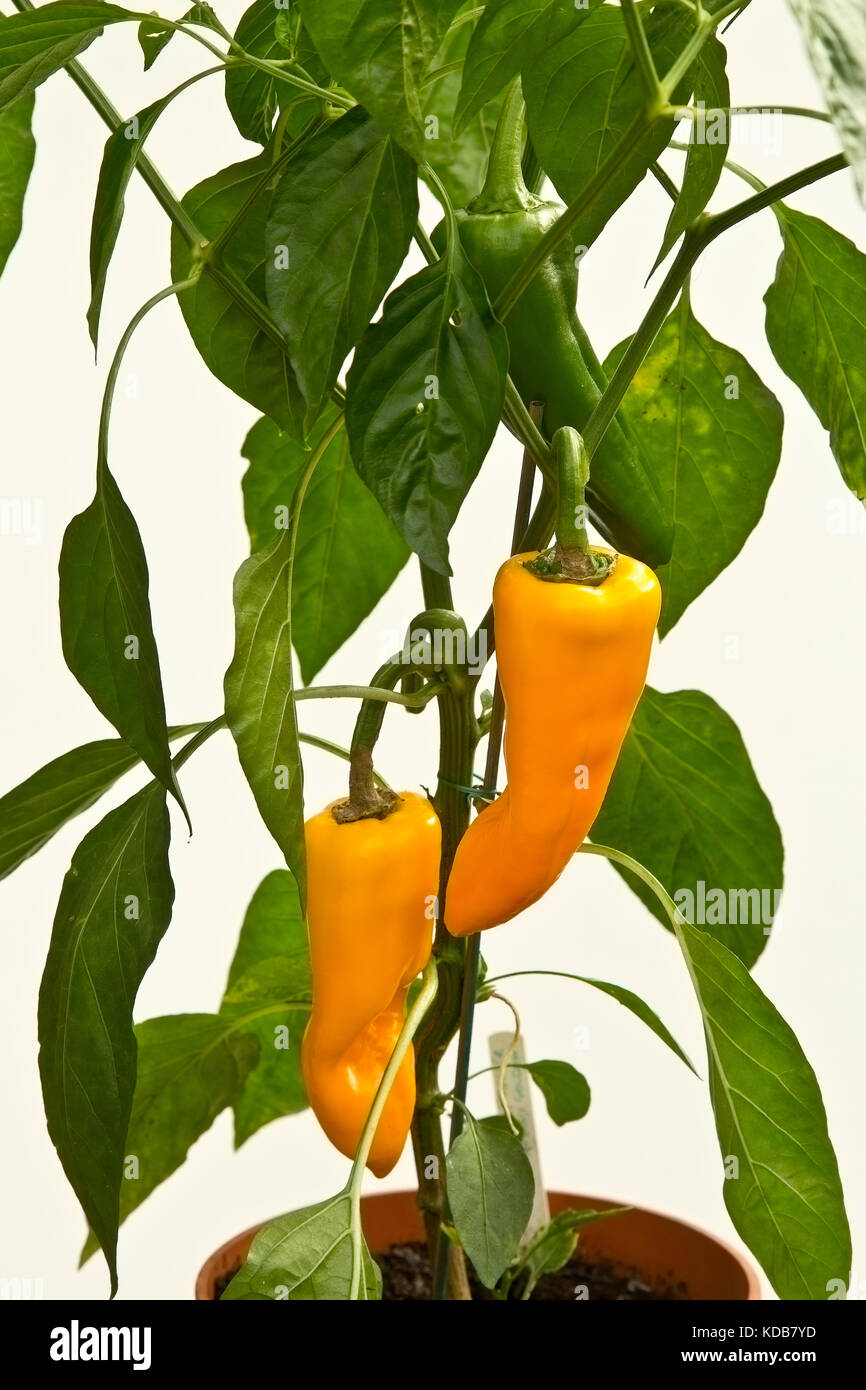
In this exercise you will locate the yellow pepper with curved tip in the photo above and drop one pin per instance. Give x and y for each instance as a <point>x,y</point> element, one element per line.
<point>572,661</point>
<point>370,886</point>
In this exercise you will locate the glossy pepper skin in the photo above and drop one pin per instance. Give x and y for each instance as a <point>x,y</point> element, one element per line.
<point>573,661</point>
<point>498,231</point>
<point>370,886</point>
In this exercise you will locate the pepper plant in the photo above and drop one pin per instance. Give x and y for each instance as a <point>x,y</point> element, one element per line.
<point>529,123</point>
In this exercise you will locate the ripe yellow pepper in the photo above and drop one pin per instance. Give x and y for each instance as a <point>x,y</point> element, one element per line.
<point>572,661</point>
<point>370,886</point>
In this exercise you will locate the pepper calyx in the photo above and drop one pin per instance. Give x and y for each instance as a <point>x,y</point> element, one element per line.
<point>571,564</point>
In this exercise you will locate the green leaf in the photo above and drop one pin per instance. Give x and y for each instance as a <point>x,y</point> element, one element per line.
<point>460,161</point>
<point>555,1244</point>
<point>106,627</point>
<point>271,967</point>
<point>508,37</point>
<point>190,1067</point>
<point>380,50</point>
<point>424,396</point>
<point>786,1198</point>
<point>36,809</point>
<point>306,1256</point>
<point>252,96</point>
<point>565,1090</point>
<point>684,801</point>
<point>835,34</point>
<point>490,1193</point>
<point>122,151</point>
<point>115,905</point>
<point>34,45</point>
<point>340,224</point>
<point>259,695</point>
<point>641,1010</point>
<point>708,144</point>
<point>153,37</point>
<point>240,353</point>
<point>584,92</point>
<point>348,552</point>
<point>711,433</point>
<point>816,327</point>
<point>17,152</point>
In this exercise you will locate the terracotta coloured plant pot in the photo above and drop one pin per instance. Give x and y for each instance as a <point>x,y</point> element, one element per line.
<point>663,1251</point>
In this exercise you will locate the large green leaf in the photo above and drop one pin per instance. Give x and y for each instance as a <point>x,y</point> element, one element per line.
<point>17,152</point>
<point>115,905</point>
<point>685,802</point>
<point>816,326</point>
<point>340,224</point>
<point>711,433</point>
<point>708,143</point>
<point>459,160</point>
<point>190,1067</point>
<point>35,44</point>
<point>106,627</point>
<point>835,33</point>
<point>348,553</point>
<point>306,1256</point>
<point>584,92</point>
<point>508,37</point>
<point>380,50</point>
<point>237,349</point>
<point>259,695</point>
<point>252,95</point>
<point>782,1186</point>
<point>424,396</point>
<point>490,1194</point>
<point>36,809</point>
<point>271,966</point>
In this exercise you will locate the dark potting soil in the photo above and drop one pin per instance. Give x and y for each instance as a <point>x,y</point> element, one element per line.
<point>406,1278</point>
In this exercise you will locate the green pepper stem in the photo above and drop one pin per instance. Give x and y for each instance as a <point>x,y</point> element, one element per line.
<point>504,187</point>
<point>572,475</point>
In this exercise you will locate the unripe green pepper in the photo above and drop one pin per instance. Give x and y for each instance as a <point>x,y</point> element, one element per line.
<point>498,230</point>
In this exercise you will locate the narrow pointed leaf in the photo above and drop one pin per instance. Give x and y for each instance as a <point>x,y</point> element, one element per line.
<point>708,144</point>
<point>782,1186</point>
<point>115,905</point>
<point>34,45</point>
<point>816,327</point>
<point>106,627</point>
<point>17,152</point>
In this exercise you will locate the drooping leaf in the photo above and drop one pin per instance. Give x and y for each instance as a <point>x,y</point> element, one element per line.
<point>708,143</point>
<point>459,160</point>
<point>582,95</point>
<point>114,908</point>
<point>490,1193</point>
<point>36,809</point>
<point>122,151</point>
<point>424,396</point>
<point>252,95</point>
<point>260,707</point>
<point>153,36</point>
<point>241,353</point>
<point>508,37</point>
<point>711,433</point>
<point>340,224</point>
<point>306,1256</point>
<point>17,152</point>
<point>35,44</point>
<point>816,327</point>
<point>684,801</point>
<point>106,627</point>
<point>348,553</point>
<point>566,1092</point>
<point>271,966</point>
<point>190,1067</point>
<point>835,34</point>
<point>782,1186</point>
<point>380,50</point>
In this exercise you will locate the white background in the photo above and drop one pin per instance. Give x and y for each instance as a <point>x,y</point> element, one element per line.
<point>793,600</point>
